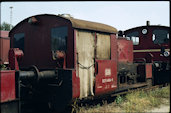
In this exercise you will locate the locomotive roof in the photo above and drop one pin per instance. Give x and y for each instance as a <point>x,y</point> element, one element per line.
<point>150,26</point>
<point>83,24</point>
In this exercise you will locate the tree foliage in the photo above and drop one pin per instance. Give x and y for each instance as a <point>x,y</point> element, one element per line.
<point>5,26</point>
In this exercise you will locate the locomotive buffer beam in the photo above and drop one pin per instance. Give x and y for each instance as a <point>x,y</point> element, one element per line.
<point>34,75</point>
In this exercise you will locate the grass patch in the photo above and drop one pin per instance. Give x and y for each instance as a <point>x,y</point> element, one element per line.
<point>134,101</point>
<point>119,99</point>
<point>139,101</point>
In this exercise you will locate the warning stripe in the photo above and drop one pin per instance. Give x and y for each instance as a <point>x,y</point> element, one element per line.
<point>150,50</point>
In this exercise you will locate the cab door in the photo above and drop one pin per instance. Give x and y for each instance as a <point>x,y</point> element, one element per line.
<point>105,63</point>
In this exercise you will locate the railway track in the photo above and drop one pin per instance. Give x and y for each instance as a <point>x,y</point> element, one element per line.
<point>136,89</point>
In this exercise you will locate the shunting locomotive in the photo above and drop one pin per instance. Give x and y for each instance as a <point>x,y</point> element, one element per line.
<point>56,59</point>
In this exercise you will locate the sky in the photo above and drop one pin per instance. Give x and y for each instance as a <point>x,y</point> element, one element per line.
<point>122,15</point>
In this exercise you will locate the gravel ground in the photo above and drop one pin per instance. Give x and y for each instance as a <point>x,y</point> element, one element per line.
<point>163,108</point>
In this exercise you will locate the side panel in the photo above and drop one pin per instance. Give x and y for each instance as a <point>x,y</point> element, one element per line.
<point>75,77</point>
<point>7,84</point>
<point>8,101</point>
<point>106,78</point>
<point>148,70</point>
<point>125,50</point>
<point>4,48</point>
<point>75,85</point>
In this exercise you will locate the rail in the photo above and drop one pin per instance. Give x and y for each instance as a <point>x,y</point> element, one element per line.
<point>137,89</point>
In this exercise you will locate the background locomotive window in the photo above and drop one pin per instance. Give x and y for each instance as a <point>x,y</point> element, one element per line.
<point>59,38</point>
<point>160,36</point>
<point>18,41</point>
<point>103,49</point>
<point>134,36</point>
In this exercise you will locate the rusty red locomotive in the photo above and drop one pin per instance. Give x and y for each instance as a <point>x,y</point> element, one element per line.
<point>55,59</point>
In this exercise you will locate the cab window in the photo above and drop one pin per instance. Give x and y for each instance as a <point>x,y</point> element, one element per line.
<point>160,36</point>
<point>59,38</point>
<point>134,36</point>
<point>18,41</point>
<point>103,47</point>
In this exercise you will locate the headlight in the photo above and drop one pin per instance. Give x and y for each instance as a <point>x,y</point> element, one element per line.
<point>157,64</point>
<point>166,53</point>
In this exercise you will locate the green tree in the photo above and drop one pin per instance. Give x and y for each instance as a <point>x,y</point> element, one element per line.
<point>5,26</point>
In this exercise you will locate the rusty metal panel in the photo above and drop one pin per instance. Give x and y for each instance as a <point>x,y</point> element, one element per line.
<point>149,70</point>
<point>125,50</point>
<point>7,84</point>
<point>4,47</point>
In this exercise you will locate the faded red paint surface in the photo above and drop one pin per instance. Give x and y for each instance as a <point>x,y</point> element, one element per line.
<point>125,50</point>
<point>4,46</point>
<point>7,84</point>
<point>75,78</point>
<point>148,70</point>
<point>75,85</point>
<point>106,80</point>
<point>4,34</point>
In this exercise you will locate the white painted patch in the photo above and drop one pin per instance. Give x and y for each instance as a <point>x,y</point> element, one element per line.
<point>107,72</point>
<point>99,87</point>
<point>106,80</point>
<point>112,86</point>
